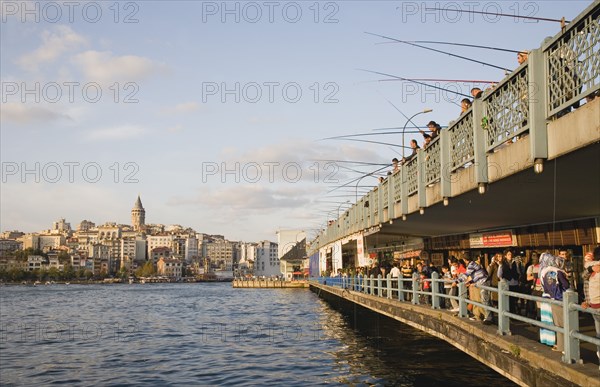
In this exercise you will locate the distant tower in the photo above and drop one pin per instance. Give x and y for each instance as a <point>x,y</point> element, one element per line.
<point>138,215</point>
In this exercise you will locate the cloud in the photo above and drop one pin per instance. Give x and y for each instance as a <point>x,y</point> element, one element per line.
<point>247,197</point>
<point>186,107</point>
<point>54,44</point>
<point>23,114</point>
<point>175,129</point>
<point>103,66</point>
<point>115,133</point>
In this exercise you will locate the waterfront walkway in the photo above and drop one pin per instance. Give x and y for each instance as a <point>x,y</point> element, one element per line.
<point>511,346</point>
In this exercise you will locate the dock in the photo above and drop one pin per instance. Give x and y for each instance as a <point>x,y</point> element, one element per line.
<point>271,284</point>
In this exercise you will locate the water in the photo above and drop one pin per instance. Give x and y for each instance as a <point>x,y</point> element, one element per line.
<point>211,334</point>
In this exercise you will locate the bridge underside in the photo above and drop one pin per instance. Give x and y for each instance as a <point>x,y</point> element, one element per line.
<point>568,188</point>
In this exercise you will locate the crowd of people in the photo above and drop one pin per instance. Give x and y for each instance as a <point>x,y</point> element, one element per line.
<point>544,275</point>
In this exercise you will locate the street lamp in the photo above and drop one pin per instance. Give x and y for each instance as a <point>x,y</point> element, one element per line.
<point>358,182</point>
<point>410,120</point>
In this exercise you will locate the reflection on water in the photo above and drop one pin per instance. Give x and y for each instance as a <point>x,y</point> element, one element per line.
<point>211,334</point>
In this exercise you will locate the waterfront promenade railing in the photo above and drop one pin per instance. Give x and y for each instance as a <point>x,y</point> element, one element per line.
<point>411,290</point>
<point>556,78</point>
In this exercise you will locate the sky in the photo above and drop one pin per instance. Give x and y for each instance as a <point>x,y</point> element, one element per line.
<point>217,113</point>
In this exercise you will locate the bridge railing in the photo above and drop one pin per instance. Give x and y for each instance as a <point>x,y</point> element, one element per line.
<point>557,76</point>
<point>571,62</point>
<point>429,291</point>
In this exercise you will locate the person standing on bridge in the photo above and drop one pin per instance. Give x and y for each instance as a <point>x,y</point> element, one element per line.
<point>492,270</point>
<point>555,283</point>
<point>477,275</point>
<point>591,287</point>
<point>510,270</point>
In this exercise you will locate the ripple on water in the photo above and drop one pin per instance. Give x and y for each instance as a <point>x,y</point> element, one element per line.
<point>211,334</point>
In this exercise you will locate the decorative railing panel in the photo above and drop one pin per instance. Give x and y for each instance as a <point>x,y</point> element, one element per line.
<point>432,161</point>
<point>397,184</point>
<point>385,186</point>
<point>411,175</point>
<point>573,64</point>
<point>506,109</point>
<point>461,141</point>
<point>375,198</point>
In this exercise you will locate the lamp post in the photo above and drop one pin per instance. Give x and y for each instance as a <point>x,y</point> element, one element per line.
<point>410,120</point>
<point>358,182</point>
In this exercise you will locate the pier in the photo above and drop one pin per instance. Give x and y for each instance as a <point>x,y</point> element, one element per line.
<point>268,283</point>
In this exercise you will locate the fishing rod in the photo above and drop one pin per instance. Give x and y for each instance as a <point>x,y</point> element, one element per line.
<point>373,142</point>
<point>369,134</point>
<point>458,44</point>
<point>351,161</point>
<point>502,14</point>
<point>359,178</point>
<point>439,80</point>
<point>410,132</point>
<point>440,51</point>
<point>417,82</point>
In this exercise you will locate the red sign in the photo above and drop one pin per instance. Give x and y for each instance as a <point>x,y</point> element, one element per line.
<point>491,239</point>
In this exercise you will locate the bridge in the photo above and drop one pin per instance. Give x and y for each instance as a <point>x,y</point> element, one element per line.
<point>519,169</point>
<point>510,347</point>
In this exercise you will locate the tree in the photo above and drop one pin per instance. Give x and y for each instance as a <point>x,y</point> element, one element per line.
<point>53,274</point>
<point>123,273</point>
<point>68,272</point>
<point>147,270</point>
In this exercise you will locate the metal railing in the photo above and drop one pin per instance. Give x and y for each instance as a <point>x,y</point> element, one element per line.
<point>412,290</point>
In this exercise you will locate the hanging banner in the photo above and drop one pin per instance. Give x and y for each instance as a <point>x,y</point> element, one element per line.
<point>336,256</point>
<point>360,252</point>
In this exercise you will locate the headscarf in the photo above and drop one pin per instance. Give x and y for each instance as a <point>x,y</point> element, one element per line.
<point>547,260</point>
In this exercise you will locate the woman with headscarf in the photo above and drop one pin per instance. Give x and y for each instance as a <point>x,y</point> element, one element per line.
<point>555,283</point>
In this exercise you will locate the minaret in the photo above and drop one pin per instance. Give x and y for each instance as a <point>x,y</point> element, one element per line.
<point>138,215</point>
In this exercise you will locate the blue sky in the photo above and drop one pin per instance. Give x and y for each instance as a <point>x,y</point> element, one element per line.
<point>166,123</point>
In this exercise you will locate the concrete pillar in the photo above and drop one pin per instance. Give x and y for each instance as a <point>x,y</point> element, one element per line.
<point>446,164</point>
<point>537,90</point>
<point>404,188</point>
<point>479,143</point>
<point>421,179</point>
